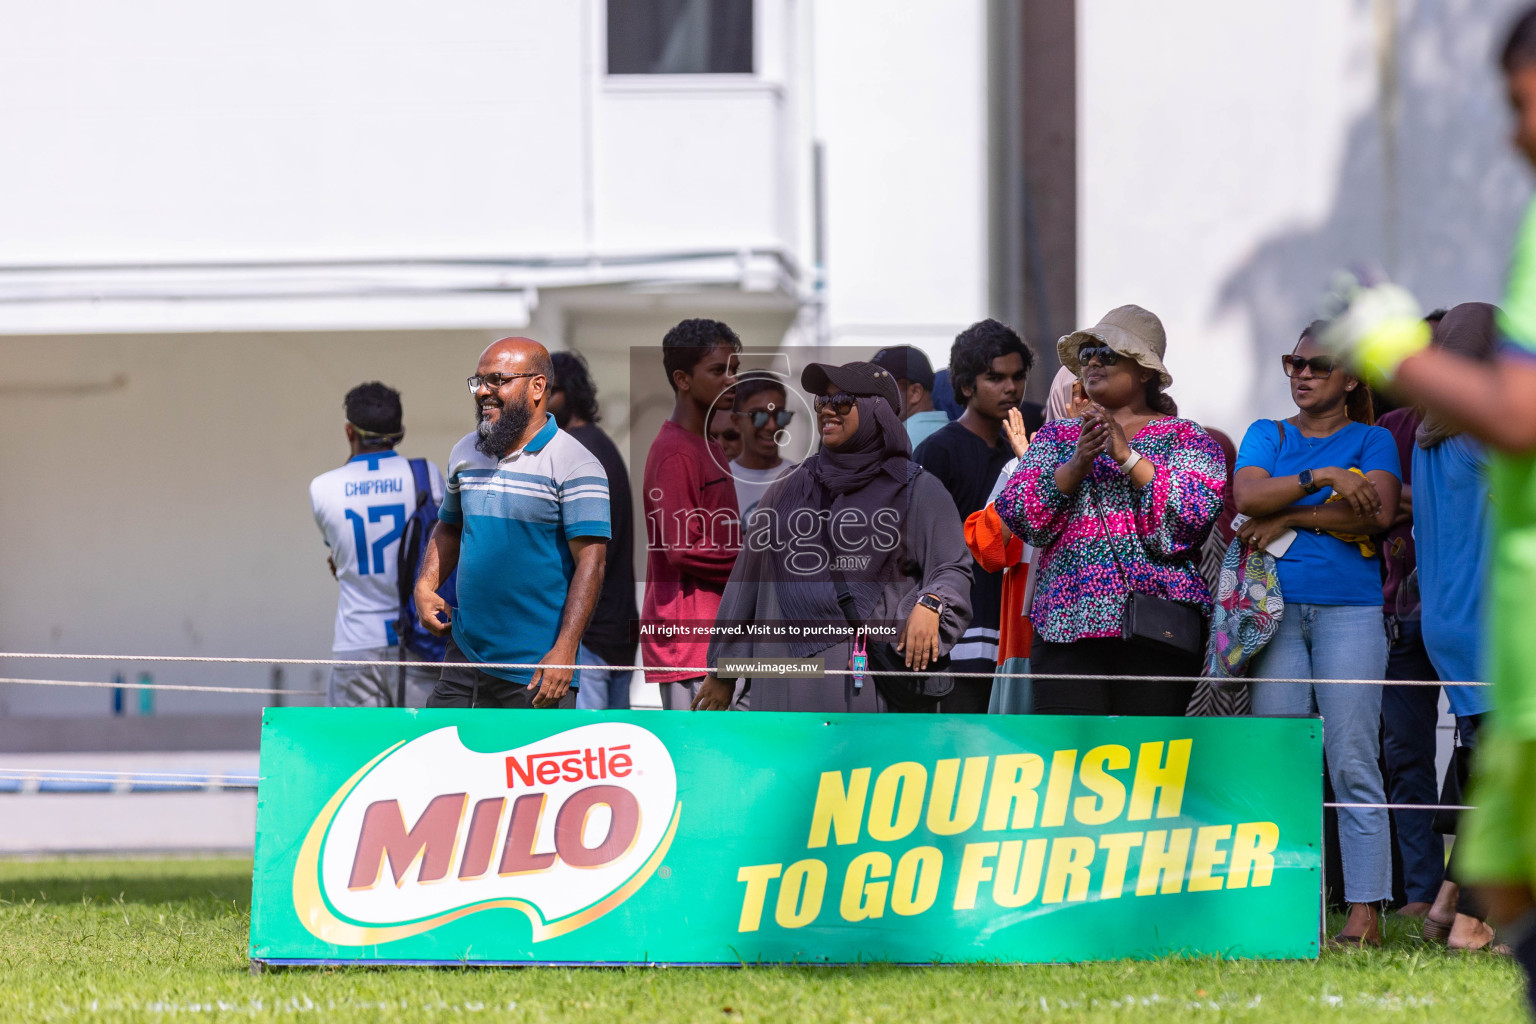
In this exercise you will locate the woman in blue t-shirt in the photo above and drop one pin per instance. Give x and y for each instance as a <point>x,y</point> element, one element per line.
<point>1334,479</point>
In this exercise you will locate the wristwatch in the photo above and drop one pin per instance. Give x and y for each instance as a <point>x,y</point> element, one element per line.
<point>1305,479</point>
<point>932,603</point>
<point>1130,462</point>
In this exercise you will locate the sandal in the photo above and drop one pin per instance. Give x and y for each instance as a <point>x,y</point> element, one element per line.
<point>1352,942</point>
<point>1436,931</point>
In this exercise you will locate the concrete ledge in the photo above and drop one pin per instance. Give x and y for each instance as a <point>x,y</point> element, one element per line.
<point>50,824</point>
<point>131,733</point>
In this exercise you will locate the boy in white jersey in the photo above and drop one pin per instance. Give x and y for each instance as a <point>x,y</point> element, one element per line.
<point>361,509</point>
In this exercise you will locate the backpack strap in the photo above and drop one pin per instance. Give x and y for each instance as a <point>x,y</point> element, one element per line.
<point>423,481</point>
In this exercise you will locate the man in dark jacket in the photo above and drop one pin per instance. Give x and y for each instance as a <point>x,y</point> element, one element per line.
<point>573,401</point>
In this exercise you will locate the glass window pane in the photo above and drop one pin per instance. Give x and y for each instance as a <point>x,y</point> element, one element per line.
<point>679,37</point>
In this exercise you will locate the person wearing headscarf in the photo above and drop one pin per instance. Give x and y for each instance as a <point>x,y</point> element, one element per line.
<point>859,513</point>
<point>1065,400</point>
<point>1451,515</point>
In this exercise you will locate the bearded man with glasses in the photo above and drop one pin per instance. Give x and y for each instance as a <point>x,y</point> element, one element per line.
<point>526,522</point>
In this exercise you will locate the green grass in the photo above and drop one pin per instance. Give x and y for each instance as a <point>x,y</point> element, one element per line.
<point>165,940</point>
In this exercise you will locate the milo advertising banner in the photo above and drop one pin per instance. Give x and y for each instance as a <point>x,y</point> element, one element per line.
<point>394,836</point>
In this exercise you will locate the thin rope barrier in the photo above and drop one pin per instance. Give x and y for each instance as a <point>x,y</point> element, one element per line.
<point>126,781</point>
<point>34,782</point>
<point>1404,807</point>
<point>701,670</point>
<point>130,771</point>
<point>179,687</point>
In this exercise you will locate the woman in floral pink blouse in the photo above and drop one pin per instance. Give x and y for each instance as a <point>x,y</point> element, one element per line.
<point>1158,481</point>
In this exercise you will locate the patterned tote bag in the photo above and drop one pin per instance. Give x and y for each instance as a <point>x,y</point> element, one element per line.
<point>1247,612</point>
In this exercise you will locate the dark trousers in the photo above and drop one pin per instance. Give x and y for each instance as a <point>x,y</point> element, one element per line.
<point>1117,696</point>
<point>1409,716</point>
<point>1467,901</point>
<point>971,696</point>
<point>472,688</point>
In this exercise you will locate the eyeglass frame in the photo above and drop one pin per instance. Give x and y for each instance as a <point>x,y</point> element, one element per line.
<point>474,380</point>
<point>1308,364</point>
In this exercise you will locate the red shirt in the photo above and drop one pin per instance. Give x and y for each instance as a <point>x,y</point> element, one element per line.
<point>693,533</point>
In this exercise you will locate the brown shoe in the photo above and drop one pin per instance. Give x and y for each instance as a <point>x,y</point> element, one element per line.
<point>1436,931</point>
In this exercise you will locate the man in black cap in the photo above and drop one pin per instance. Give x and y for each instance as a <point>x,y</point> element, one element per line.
<point>914,379</point>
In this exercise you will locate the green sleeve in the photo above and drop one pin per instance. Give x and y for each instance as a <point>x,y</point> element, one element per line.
<point>1517,320</point>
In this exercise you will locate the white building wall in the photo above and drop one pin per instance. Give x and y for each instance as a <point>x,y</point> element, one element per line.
<point>1232,156</point>
<point>158,497</point>
<point>163,421</point>
<point>901,109</point>
<point>185,131</point>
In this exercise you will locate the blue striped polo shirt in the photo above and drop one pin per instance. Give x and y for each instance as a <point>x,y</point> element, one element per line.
<point>515,563</point>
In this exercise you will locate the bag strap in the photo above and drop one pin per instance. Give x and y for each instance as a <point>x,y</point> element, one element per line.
<point>1093,498</point>
<point>423,481</point>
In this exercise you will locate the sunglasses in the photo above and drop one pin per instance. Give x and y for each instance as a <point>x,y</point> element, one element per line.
<point>1321,366</point>
<point>841,402</point>
<point>727,435</point>
<point>780,418</point>
<point>1103,353</point>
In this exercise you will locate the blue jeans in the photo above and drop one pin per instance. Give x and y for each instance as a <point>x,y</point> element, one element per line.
<point>1338,642</point>
<point>600,688</point>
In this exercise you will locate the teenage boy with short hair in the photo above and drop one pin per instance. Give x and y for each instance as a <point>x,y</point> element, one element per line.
<point>988,366</point>
<point>759,410</point>
<point>691,518</point>
<point>361,509</point>
<point>724,432</point>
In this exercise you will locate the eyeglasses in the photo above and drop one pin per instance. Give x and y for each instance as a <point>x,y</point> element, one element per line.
<point>726,435</point>
<point>496,381</point>
<point>1103,353</point>
<point>841,402</point>
<point>1322,366</point>
<point>780,418</point>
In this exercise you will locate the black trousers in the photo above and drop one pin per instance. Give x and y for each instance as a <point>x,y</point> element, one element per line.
<point>1410,716</point>
<point>1122,695</point>
<point>472,688</point>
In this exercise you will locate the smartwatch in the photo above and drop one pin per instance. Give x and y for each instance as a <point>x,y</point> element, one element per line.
<point>1305,479</point>
<point>932,603</point>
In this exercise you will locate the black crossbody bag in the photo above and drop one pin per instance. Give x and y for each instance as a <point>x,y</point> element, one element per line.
<point>1153,619</point>
<point>913,694</point>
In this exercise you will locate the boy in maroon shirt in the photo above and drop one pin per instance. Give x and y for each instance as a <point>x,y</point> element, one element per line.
<point>692,526</point>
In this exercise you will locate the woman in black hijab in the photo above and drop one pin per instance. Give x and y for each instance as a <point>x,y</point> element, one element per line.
<point>858,524</point>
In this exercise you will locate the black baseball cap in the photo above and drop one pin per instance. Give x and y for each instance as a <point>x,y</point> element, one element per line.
<point>906,363</point>
<point>855,378</point>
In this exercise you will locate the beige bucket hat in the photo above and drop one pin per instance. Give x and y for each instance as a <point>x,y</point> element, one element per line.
<point>1131,331</point>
